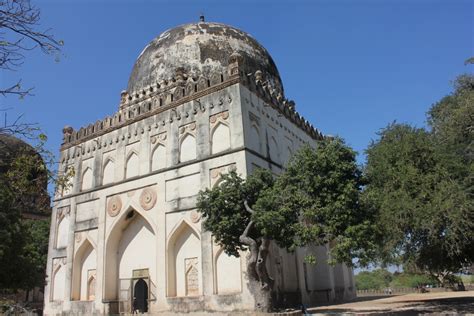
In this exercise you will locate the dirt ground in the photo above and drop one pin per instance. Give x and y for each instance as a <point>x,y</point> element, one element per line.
<point>441,303</point>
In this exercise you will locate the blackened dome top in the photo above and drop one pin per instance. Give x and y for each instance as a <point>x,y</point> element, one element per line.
<point>199,49</point>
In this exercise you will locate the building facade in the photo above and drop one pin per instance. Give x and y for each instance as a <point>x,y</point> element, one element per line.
<point>202,99</point>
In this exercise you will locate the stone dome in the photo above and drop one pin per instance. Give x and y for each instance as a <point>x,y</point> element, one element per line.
<point>199,49</point>
<point>34,201</point>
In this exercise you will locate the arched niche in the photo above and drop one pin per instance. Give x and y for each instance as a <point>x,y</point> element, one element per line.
<point>91,286</point>
<point>85,262</point>
<point>289,154</point>
<point>132,166</point>
<point>187,148</point>
<point>86,180</point>
<point>227,273</point>
<point>184,261</point>
<point>158,157</point>
<point>59,283</point>
<point>220,138</point>
<point>62,232</point>
<point>130,245</point>
<point>108,172</point>
<point>69,185</point>
<point>274,152</point>
<point>254,141</point>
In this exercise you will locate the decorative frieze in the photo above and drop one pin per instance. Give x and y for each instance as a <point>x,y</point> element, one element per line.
<point>167,95</point>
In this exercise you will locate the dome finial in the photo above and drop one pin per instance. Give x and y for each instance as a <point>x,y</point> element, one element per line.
<point>201,17</point>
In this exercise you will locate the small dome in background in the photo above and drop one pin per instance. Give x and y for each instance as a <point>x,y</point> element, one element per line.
<point>33,199</point>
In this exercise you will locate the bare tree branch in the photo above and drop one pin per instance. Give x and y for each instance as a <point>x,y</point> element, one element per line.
<point>19,21</point>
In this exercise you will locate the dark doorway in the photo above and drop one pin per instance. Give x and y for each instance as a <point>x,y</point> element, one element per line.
<point>140,296</point>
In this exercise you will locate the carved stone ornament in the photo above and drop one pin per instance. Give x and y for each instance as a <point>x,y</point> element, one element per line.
<point>148,198</point>
<point>195,216</point>
<point>189,128</point>
<point>78,237</point>
<point>114,206</point>
<point>219,117</point>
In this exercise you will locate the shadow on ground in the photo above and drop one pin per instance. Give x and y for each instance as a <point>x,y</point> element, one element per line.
<point>445,306</point>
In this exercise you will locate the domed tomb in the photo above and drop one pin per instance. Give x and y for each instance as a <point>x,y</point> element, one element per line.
<point>200,49</point>
<point>28,168</point>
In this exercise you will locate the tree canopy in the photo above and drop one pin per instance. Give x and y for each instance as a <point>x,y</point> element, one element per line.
<point>314,201</point>
<point>420,181</point>
<point>23,242</point>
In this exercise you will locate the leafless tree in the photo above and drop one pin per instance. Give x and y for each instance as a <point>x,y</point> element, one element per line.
<point>19,23</point>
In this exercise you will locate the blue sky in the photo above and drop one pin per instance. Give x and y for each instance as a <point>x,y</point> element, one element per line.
<point>352,67</point>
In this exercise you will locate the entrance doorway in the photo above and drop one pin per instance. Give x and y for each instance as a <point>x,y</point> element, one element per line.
<point>140,296</point>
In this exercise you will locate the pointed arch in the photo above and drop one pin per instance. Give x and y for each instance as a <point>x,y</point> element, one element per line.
<point>183,250</point>
<point>220,137</point>
<point>225,265</point>
<point>85,259</point>
<point>108,171</point>
<point>274,151</point>
<point>289,153</point>
<point>187,147</point>
<point>91,286</point>
<point>130,244</point>
<point>158,157</point>
<point>62,232</point>
<point>86,179</point>
<point>132,165</point>
<point>69,186</point>
<point>254,140</point>
<point>59,283</point>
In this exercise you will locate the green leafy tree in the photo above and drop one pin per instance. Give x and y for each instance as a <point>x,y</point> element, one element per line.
<point>420,183</point>
<point>23,190</point>
<point>24,171</point>
<point>373,280</point>
<point>314,201</point>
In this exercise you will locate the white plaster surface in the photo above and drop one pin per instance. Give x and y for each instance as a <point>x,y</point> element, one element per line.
<point>108,173</point>
<point>183,187</point>
<point>188,148</point>
<point>59,282</point>
<point>220,138</point>
<point>63,232</point>
<point>89,262</point>
<point>228,274</point>
<point>158,159</point>
<point>132,168</point>
<point>136,248</point>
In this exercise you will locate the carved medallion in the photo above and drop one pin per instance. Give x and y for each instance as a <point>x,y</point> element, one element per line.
<point>148,198</point>
<point>195,216</point>
<point>114,206</point>
<point>78,237</point>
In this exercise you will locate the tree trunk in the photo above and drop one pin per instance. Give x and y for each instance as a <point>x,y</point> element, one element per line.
<point>260,283</point>
<point>261,267</point>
